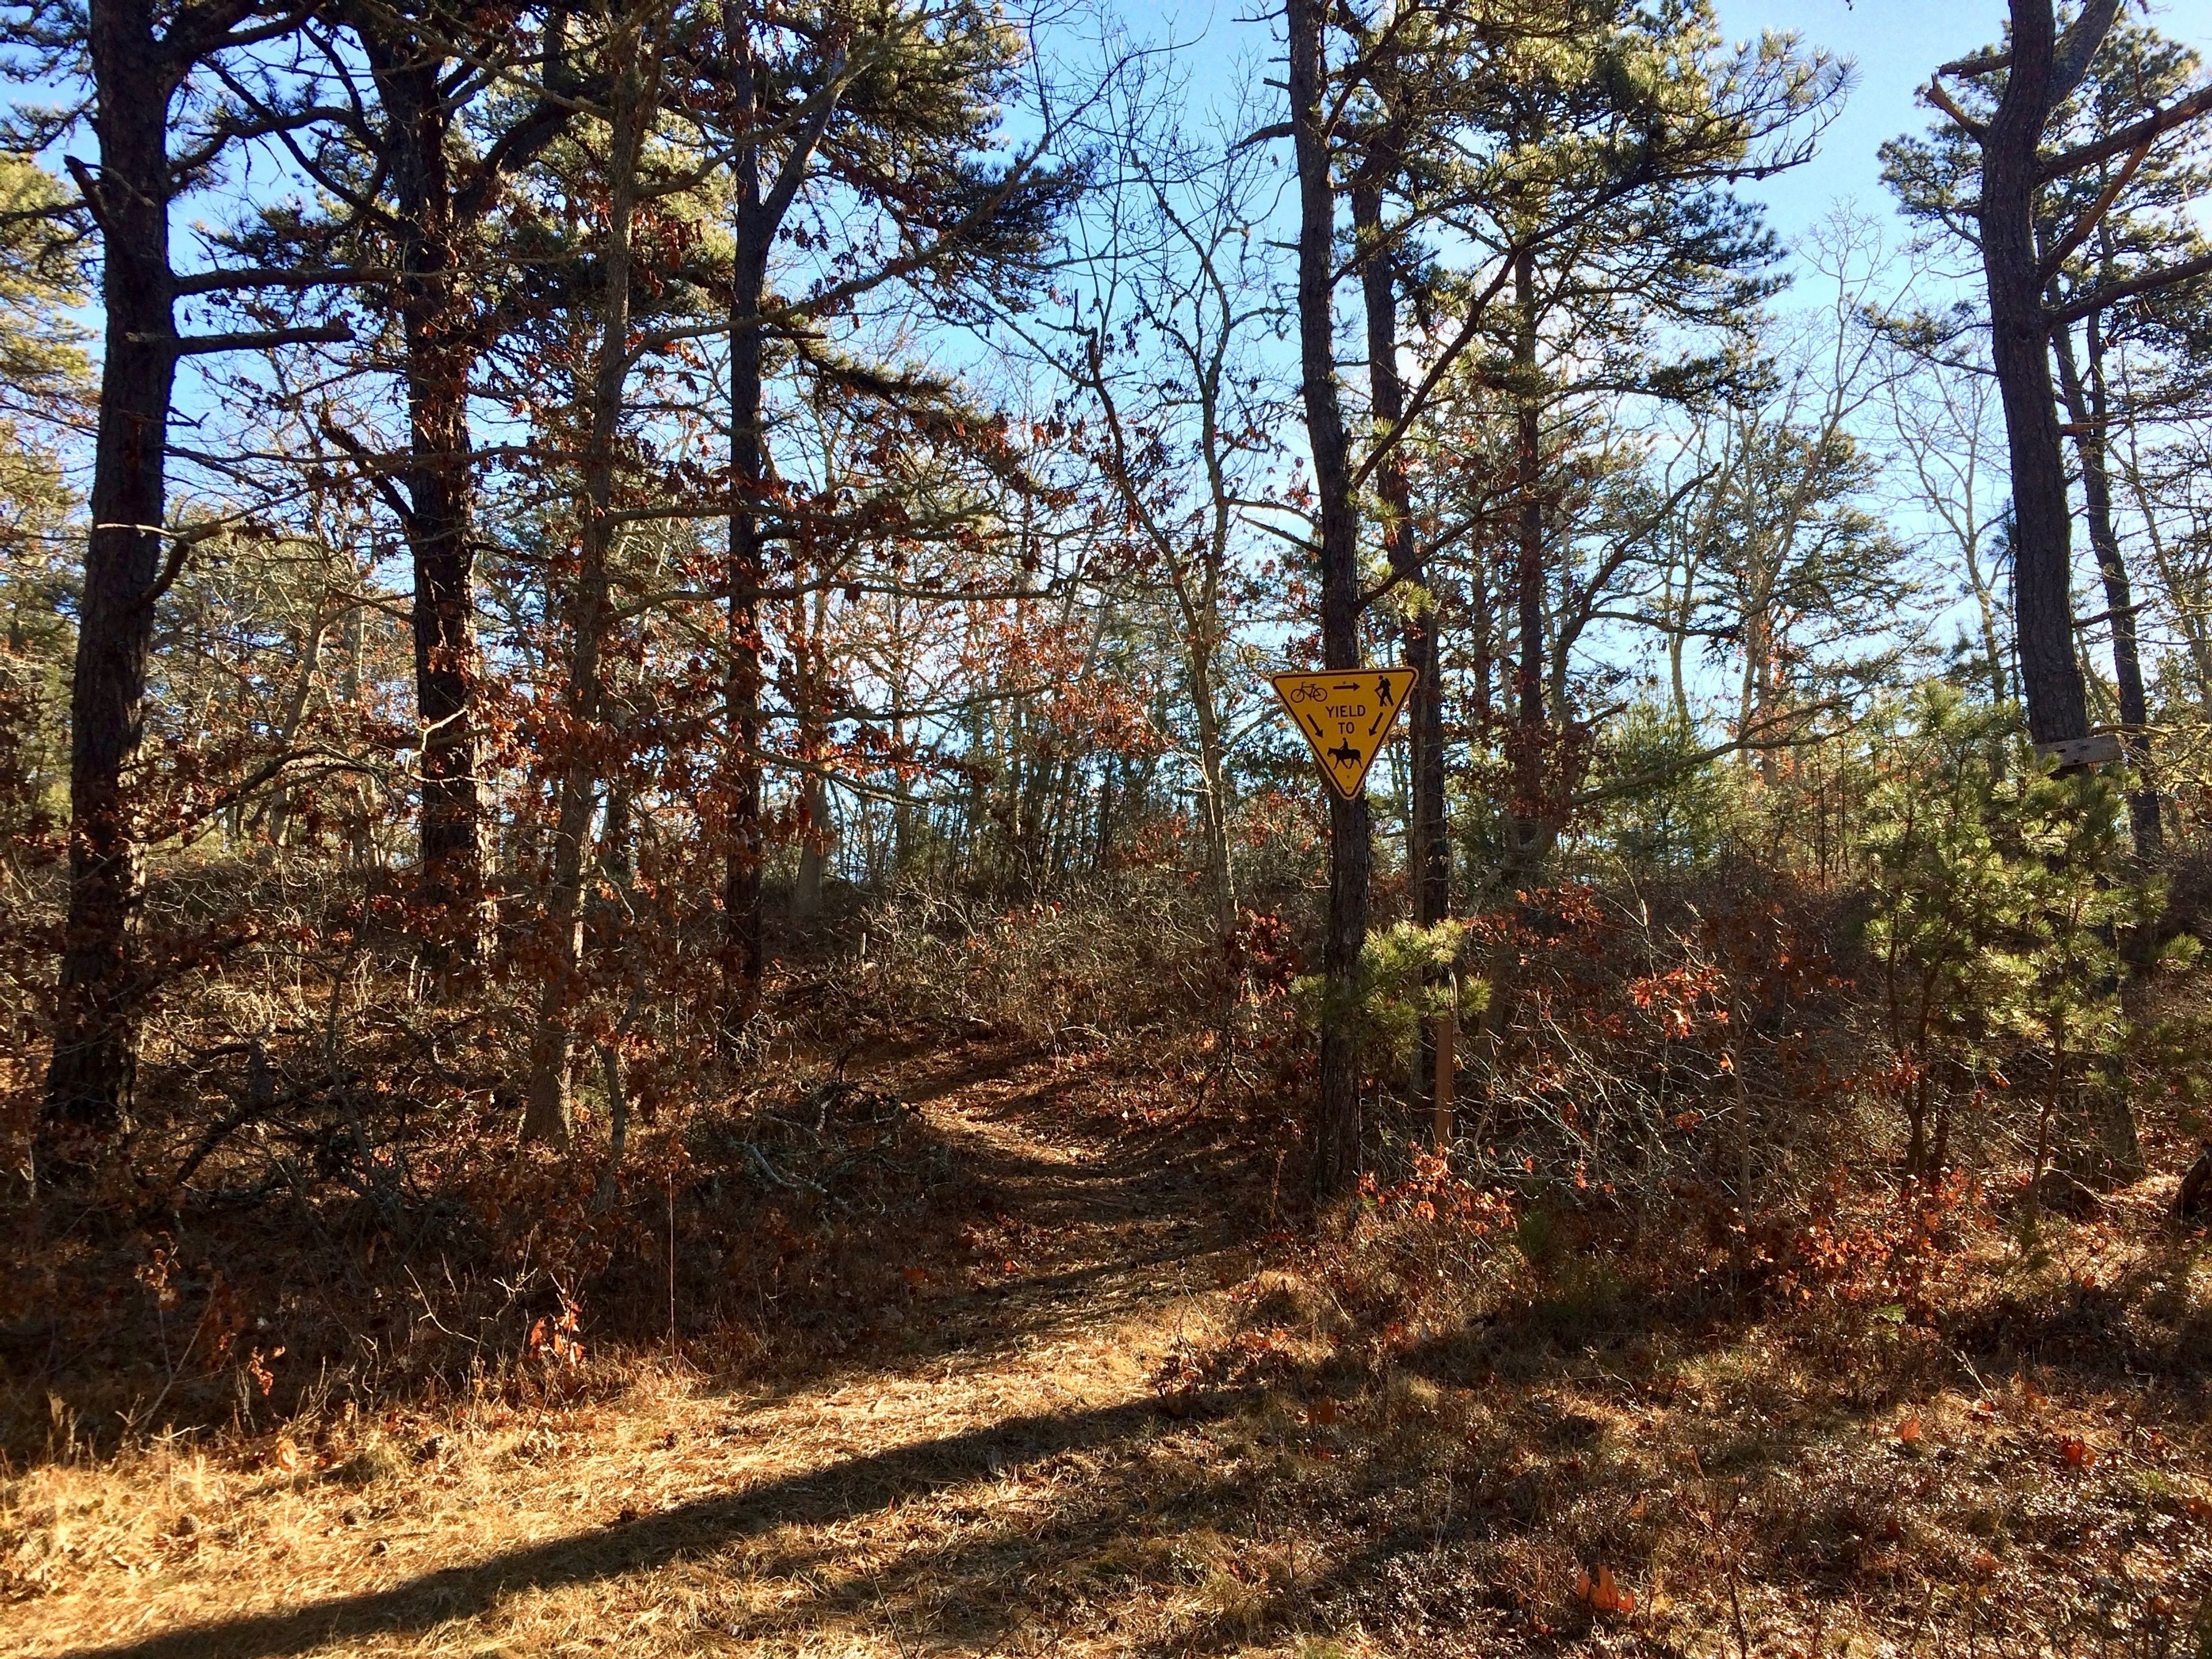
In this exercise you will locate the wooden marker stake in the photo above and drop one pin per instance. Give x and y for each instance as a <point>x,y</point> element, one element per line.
<point>1447,1074</point>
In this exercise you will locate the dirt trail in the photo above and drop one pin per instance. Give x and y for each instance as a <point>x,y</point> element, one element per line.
<point>992,1493</point>
<point>986,1470</point>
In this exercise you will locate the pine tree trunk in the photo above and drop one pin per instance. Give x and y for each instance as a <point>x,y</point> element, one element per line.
<point>438,201</point>
<point>813,852</point>
<point>1528,835</point>
<point>2019,343</point>
<point>818,834</point>
<point>1430,837</point>
<point>94,1068</point>
<point>2118,1145</point>
<point>1335,1138</point>
<point>1526,841</point>
<point>1428,844</point>
<point>1213,785</point>
<point>747,852</point>
<point>443,622</point>
<point>2088,406</point>
<point>438,357</point>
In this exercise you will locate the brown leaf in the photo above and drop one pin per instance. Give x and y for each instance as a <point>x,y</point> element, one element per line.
<point>1605,1593</point>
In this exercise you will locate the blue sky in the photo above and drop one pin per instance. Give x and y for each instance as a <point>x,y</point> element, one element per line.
<point>1894,44</point>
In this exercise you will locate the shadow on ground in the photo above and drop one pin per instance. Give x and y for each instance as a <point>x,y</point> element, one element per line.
<point>858,1487</point>
<point>1446,1495</point>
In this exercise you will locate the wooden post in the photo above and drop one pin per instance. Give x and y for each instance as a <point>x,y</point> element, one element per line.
<point>1447,1074</point>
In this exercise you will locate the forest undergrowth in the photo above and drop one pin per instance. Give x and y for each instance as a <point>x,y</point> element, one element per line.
<point>1015,1335</point>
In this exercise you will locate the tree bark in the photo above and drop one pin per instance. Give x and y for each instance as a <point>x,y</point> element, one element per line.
<point>747,852</point>
<point>1527,840</point>
<point>1213,786</point>
<point>1525,822</point>
<point>438,201</point>
<point>2119,1145</point>
<point>2088,406</point>
<point>811,689</point>
<point>1428,846</point>
<point>1202,635</point>
<point>745,855</point>
<point>438,357</point>
<point>94,1068</point>
<point>2020,342</point>
<point>1335,1129</point>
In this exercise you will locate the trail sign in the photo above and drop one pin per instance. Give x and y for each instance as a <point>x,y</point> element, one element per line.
<point>2102,750</point>
<point>1346,718</point>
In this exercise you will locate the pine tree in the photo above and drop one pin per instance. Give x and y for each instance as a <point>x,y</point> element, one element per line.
<point>158,134</point>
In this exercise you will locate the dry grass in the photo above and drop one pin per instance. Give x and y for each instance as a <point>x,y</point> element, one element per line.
<point>1144,1434</point>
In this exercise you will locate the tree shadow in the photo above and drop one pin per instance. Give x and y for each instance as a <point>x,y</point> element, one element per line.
<point>2143,1324</point>
<point>887,1284</point>
<point>1130,1515</point>
<point>1455,1533</point>
<point>821,1498</point>
<point>1129,1227</point>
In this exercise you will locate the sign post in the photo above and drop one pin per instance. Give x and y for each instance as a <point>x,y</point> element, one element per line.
<point>1447,1079</point>
<point>1346,719</point>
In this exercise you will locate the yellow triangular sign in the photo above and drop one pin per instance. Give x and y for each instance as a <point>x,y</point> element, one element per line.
<point>1346,718</point>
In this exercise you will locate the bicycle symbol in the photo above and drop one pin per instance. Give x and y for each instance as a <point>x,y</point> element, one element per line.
<point>1311,691</point>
